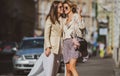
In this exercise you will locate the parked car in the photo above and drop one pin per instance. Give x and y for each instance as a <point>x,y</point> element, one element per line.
<point>28,52</point>
<point>8,47</point>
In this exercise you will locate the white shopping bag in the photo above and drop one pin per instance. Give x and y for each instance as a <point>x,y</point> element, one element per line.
<point>43,66</point>
<point>48,64</point>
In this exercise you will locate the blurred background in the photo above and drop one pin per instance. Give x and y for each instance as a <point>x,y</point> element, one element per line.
<point>26,18</point>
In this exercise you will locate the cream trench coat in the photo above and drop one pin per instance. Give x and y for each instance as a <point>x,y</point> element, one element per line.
<point>52,38</point>
<point>52,35</point>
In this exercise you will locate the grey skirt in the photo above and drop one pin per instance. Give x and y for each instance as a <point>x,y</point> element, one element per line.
<point>69,51</point>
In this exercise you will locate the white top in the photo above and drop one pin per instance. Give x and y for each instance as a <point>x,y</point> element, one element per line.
<point>74,26</point>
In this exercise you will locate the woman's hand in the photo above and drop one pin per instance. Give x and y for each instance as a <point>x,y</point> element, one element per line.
<point>47,52</point>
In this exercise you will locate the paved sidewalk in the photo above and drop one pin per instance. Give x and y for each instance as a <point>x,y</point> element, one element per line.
<point>96,67</point>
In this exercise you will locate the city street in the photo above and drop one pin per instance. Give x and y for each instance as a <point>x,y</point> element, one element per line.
<point>93,67</point>
<point>96,67</point>
<point>22,23</point>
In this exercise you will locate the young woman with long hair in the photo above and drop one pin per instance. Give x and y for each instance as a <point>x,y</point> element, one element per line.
<point>48,63</point>
<point>53,33</point>
<point>72,26</point>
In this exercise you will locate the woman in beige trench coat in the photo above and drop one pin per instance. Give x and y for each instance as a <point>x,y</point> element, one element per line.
<point>50,59</point>
<point>53,33</point>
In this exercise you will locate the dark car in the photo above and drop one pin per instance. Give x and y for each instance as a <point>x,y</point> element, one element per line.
<point>8,47</point>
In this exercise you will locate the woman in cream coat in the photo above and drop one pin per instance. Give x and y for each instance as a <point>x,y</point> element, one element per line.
<point>53,33</point>
<point>50,59</point>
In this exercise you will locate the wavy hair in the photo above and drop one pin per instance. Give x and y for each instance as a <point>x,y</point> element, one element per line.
<point>72,5</point>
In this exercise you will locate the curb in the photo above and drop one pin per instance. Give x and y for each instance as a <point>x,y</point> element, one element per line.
<point>117,72</point>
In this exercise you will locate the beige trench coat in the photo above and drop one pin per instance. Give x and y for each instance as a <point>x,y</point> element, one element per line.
<point>52,36</point>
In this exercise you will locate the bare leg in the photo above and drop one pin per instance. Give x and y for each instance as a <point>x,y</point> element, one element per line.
<point>68,72</point>
<point>73,67</point>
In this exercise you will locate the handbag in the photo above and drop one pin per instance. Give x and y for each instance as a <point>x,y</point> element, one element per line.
<point>80,43</point>
<point>76,43</point>
<point>43,66</point>
<point>83,47</point>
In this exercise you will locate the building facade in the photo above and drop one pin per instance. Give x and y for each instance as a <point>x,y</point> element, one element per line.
<point>105,20</point>
<point>116,36</point>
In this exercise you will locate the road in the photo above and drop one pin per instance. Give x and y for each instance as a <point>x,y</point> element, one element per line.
<point>93,67</point>
<point>96,67</point>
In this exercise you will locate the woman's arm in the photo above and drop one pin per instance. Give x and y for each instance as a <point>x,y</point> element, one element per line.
<point>78,20</point>
<point>79,25</point>
<point>47,37</point>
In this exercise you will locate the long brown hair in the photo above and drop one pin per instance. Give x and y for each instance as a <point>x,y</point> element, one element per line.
<point>53,13</point>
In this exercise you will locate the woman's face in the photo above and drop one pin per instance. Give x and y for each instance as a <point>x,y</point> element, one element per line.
<point>67,8</point>
<point>60,8</point>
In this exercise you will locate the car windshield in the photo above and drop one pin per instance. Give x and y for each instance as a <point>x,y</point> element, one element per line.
<point>32,43</point>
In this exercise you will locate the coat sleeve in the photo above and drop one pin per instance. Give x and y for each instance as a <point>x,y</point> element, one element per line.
<point>79,22</point>
<point>80,28</point>
<point>47,33</point>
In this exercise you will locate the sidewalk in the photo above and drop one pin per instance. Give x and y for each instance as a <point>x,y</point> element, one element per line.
<point>96,67</point>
